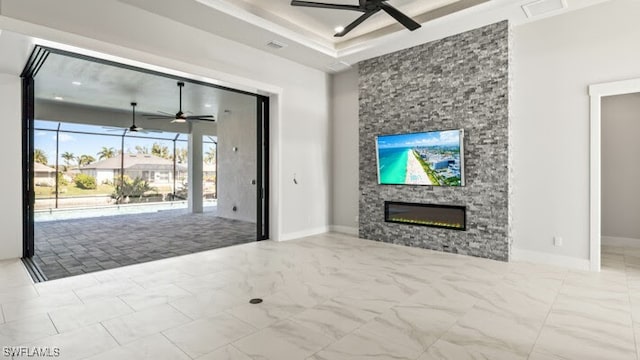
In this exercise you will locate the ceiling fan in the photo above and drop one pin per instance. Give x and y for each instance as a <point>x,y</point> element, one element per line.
<point>133,127</point>
<point>368,7</point>
<point>181,117</point>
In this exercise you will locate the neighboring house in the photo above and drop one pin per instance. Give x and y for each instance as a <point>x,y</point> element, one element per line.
<point>153,169</point>
<point>43,175</point>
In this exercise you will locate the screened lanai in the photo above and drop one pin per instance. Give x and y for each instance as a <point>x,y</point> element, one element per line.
<point>136,166</point>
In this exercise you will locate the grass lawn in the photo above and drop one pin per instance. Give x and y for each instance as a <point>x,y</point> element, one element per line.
<point>72,190</point>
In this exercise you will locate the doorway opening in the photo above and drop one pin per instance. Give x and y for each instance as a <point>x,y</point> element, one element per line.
<point>124,165</point>
<point>597,92</point>
<point>620,194</point>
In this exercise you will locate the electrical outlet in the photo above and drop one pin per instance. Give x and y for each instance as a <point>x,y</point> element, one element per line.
<point>557,241</point>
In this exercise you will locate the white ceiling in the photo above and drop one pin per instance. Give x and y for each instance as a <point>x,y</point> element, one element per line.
<point>308,32</point>
<point>322,22</point>
<point>107,86</point>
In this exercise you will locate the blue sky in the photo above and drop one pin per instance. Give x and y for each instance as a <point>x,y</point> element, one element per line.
<point>81,144</point>
<point>435,138</point>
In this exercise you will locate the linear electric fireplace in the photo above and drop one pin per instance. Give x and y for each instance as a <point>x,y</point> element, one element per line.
<point>442,216</point>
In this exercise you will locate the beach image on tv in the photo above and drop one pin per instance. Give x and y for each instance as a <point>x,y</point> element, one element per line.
<point>429,158</point>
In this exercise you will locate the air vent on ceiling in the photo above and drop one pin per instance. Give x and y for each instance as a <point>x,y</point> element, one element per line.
<point>542,7</point>
<point>339,66</point>
<point>276,45</point>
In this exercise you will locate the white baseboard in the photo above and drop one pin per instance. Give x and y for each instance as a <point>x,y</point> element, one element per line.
<point>304,233</point>
<point>348,230</point>
<point>620,241</point>
<point>550,259</point>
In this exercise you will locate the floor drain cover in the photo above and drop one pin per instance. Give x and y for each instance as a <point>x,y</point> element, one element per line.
<point>255,301</point>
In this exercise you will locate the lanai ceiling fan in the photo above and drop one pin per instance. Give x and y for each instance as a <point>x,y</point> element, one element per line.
<point>181,117</point>
<point>368,7</point>
<point>133,127</point>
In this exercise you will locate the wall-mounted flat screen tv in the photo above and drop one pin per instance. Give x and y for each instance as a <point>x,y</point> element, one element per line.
<point>427,158</point>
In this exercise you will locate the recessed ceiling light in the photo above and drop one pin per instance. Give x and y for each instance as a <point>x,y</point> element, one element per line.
<point>277,45</point>
<point>542,7</point>
<point>60,98</point>
<point>207,105</point>
<point>77,83</point>
<point>339,29</point>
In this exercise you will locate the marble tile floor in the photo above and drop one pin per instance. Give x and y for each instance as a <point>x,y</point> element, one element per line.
<point>329,297</point>
<point>66,248</point>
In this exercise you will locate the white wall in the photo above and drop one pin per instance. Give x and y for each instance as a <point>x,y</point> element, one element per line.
<point>300,106</point>
<point>554,60</point>
<point>345,149</point>
<point>237,129</point>
<point>11,160</point>
<point>620,166</point>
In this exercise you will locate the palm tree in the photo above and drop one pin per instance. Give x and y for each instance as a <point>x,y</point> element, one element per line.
<point>39,156</point>
<point>181,155</point>
<point>68,157</point>
<point>143,150</point>
<point>106,153</point>
<point>160,151</point>
<point>85,160</point>
<point>210,156</point>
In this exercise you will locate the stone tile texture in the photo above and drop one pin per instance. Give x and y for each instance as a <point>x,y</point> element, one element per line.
<point>73,247</point>
<point>459,82</point>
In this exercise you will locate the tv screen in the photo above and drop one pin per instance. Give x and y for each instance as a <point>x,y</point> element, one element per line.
<point>427,158</point>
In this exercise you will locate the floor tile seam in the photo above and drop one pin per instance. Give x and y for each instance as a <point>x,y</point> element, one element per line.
<point>474,307</point>
<point>193,293</point>
<point>82,301</point>
<point>389,340</point>
<point>231,344</point>
<point>447,331</point>
<point>633,323</point>
<point>183,313</point>
<point>53,323</point>
<point>40,338</point>
<point>257,329</point>
<point>96,322</point>
<point>174,344</point>
<point>635,339</point>
<point>546,319</point>
<point>110,334</point>
<point>349,333</point>
<point>333,340</point>
<point>142,337</point>
<point>237,349</point>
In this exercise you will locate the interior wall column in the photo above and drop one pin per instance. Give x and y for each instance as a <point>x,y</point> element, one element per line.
<point>195,168</point>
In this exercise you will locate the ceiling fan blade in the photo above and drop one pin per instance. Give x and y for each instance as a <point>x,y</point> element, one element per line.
<point>357,22</point>
<point>159,117</point>
<point>165,113</point>
<point>109,128</point>
<point>325,5</point>
<point>201,119</point>
<point>199,116</point>
<point>403,19</point>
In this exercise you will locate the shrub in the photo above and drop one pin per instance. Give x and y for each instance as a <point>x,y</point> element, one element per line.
<point>61,180</point>
<point>84,181</point>
<point>135,188</point>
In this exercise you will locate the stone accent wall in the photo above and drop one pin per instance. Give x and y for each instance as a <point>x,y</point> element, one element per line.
<point>460,82</point>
